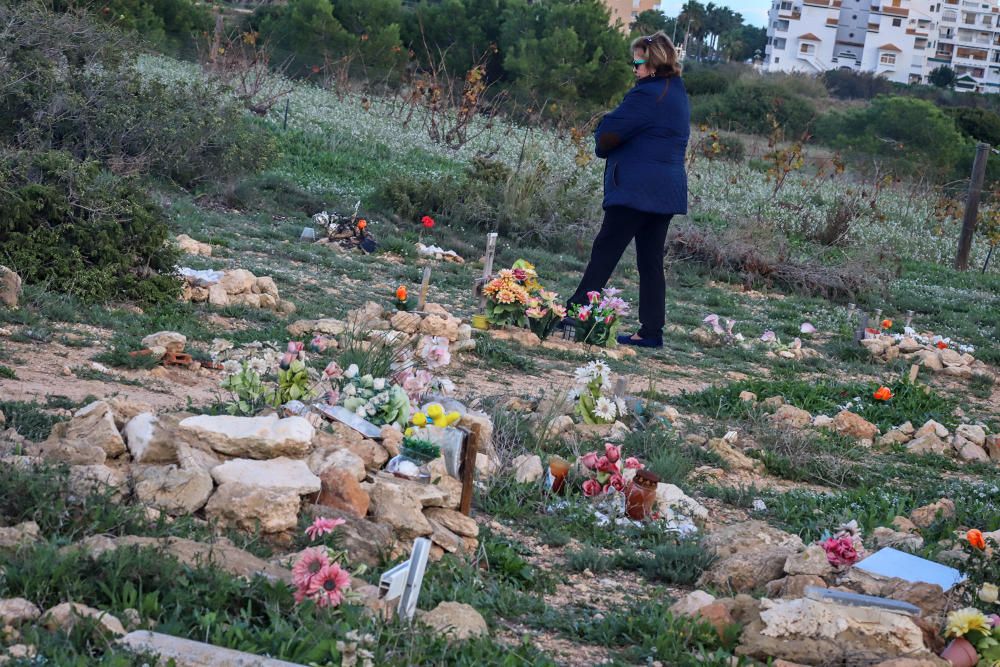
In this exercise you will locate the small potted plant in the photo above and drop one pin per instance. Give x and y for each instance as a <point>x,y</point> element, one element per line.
<point>414,456</point>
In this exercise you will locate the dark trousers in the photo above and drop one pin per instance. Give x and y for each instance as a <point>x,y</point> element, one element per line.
<point>622,224</point>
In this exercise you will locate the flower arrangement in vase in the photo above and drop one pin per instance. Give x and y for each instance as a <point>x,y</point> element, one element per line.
<point>544,313</point>
<point>507,299</point>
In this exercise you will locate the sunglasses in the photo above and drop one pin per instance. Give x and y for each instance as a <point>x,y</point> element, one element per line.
<point>636,63</point>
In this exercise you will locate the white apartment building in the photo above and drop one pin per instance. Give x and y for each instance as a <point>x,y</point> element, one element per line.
<point>902,40</point>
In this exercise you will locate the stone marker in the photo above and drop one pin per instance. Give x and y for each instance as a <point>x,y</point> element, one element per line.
<point>188,653</point>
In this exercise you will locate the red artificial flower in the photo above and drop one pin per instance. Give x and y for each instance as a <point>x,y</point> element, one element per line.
<point>427,221</point>
<point>883,394</point>
<point>591,488</point>
<point>941,345</point>
<point>975,538</point>
<point>633,463</point>
<point>612,453</point>
<point>589,460</point>
<point>886,324</point>
<point>362,223</point>
<point>617,482</point>
<point>604,465</point>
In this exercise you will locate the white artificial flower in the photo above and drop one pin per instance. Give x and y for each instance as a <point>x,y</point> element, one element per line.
<point>350,390</point>
<point>604,409</point>
<point>378,384</point>
<point>232,367</point>
<point>258,365</point>
<point>352,371</point>
<point>620,405</point>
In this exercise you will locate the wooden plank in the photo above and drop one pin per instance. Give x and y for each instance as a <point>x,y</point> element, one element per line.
<point>469,467</point>
<point>491,251</point>
<point>424,284</point>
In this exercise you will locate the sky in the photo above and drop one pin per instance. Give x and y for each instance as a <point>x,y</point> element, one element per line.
<point>754,11</point>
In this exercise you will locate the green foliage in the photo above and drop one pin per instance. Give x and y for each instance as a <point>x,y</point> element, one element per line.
<point>700,81</point>
<point>7,372</point>
<point>911,402</point>
<point>421,448</point>
<point>751,104</point>
<point>587,558</point>
<point>678,563</point>
<point>850,85</point>
<point>942,77</point>
<point>913,135</point>
<point>978,124</point>
<point>83,230</point>
<point>499,354</point>
<point>28,420</point>
<point>564,50</point>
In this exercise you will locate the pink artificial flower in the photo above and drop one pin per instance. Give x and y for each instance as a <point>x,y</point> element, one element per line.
<point>286,361</point>
<point>994,620</point>
<point>294,346</point>
<point>308,566</point>
<point>584,313</point>
<point>713,321</point>
<point>768,337</point>
<point>604,465</point>
<point>609,319</point>
<point>589,460</point>
<point>560,311</point>
<point>591,488</point>
<point>840,551</point>
<point>617,482</point>
<point>414,382</point>
<point>436,353</point>
<point>333,397</point>
<point>328,585</point>
<point>520,275</point>
<point>594,297</point>
<point>613,453</point>
<point>807,328</point>
<point>633,463</point>
<point>322,526</point>
<point>333,371</point>
<point>318,345</point>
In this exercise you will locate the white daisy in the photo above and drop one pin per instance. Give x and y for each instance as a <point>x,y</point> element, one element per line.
<point>258,365</point>
<point>604,410</point>
<point>352,371</point>
<point>232,367</point>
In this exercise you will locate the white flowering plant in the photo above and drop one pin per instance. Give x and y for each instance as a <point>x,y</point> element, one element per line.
<point>594,405</point>
<point>376,399</point>
<point>245,384</point>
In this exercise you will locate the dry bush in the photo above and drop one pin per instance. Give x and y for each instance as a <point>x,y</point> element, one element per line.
<point>745,252</point>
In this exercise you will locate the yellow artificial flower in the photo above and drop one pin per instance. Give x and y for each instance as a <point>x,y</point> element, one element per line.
<point>964,621</point>
<point>420,419</point>
<point>989,593</point>
<point>408,432</point>
<point>434,410</point>
<point>453,417</point>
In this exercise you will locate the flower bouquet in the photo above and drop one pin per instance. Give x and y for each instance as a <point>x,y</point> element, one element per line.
<point>597,322</point>
<point>320,573</point>
<point>544,313</point>
<point>506,299</point>
<point>593,406</point>
<point>975,638</point>
<point>845,547</point>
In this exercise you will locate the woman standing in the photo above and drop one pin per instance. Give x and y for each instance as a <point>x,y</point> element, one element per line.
<point>644,142</point>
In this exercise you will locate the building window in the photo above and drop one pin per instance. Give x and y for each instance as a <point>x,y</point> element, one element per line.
<point>777,60</point>
<point>897,22</point>
<point>887,59</point>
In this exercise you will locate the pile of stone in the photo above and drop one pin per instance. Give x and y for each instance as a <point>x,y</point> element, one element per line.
<point>235,287</point>
<point>191,247</point>
<point>260,473</point>
<point>527,338</point>
<point>377,321</point>
<point>969,442</point>
<point>789,625</point>
<point>947,361</point>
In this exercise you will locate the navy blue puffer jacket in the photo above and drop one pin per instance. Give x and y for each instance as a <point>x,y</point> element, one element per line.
<point>645,141</point>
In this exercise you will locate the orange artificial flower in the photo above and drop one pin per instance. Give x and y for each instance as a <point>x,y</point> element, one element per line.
<point>941,345</point>
<point>883,394</point>
<point>975,537</point>
<point>887,324</point>
<point>401,293</point>
<point>362,223</point>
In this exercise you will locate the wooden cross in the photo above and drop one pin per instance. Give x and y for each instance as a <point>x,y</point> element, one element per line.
<point>491,251</point>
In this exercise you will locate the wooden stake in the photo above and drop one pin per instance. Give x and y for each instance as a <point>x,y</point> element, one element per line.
<point>914,369</point>
<point>424,284</point>
<point>469,467</point>
<point>972,207</point>
<point>491,251</point>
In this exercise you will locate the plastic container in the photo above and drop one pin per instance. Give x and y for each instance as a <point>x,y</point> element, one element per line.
<point>556,479</point>
<point>410,465</point>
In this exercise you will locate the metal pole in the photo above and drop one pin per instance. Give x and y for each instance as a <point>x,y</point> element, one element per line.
<point>972,207</point>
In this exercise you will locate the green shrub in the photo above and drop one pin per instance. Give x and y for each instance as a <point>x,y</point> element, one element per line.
<point>704,81</point>
<point>850,85</point>
<point>750,106</point>
<point>83,230</point>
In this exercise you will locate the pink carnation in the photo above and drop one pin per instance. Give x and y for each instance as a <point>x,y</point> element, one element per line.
<point>633,463</point>
<point>840,551</point>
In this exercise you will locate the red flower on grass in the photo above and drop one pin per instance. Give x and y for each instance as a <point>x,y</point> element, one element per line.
<point>427,221</point>
<point>883,394</point>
